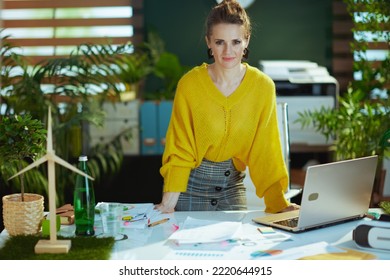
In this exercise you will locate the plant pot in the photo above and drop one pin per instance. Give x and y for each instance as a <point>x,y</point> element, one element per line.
<point>131,92</point>
<point>23,217</point>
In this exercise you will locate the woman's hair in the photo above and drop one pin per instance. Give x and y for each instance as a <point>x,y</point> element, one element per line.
<point>228,11</point>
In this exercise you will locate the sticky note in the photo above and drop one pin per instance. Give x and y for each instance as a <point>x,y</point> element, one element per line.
<point>266,230</point>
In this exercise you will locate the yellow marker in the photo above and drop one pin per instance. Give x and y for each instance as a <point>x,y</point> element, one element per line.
<point>158,222</point>
<point>127,218</point>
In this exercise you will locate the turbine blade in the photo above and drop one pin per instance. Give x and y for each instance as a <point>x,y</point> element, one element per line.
<point>69,166</point>
<point>31,166</point>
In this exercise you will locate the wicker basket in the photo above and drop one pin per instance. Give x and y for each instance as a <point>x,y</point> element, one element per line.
<point>23,218</point>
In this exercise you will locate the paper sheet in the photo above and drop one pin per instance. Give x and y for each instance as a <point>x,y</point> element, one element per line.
<point>244,252</point>
<point>242,242</point>
<point>204,231</point>
<point>273,253</point>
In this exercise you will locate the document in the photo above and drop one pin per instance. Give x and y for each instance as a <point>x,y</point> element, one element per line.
<point>273,253</point>
<point>205,231</point>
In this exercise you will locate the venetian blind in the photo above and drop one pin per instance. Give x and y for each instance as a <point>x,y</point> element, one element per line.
<point>53,28</point>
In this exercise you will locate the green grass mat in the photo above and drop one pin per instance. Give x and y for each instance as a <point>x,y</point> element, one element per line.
<point>83,248</point>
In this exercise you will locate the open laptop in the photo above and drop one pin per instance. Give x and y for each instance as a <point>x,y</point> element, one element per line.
<point>333,193</point>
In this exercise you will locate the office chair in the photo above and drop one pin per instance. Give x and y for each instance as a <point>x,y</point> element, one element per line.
<point>253,201</point>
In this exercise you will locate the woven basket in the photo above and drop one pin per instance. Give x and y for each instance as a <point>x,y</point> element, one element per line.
<point>23,218</point>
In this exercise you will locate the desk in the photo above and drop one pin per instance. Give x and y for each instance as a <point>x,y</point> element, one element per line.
<point>151,243</point>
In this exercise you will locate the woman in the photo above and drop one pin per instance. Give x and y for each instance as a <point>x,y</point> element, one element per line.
<point>224,119</point>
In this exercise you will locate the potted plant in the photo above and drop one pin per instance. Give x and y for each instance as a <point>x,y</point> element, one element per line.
<point>75,87</point>
<point>131,69</point>
<point>360,120</point>
<point>21,138</point>
<point>357,125</point>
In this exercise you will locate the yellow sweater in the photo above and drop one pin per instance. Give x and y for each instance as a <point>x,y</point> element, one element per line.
<point>243,126</point>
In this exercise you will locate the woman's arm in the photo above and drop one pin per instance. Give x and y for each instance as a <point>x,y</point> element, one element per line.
<point>168,202</point>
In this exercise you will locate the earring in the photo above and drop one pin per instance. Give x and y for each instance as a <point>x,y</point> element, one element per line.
<point>210,53</point>
<point>246,53</point>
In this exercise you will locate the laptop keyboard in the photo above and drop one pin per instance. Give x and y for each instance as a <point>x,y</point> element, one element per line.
<point>293,222</point>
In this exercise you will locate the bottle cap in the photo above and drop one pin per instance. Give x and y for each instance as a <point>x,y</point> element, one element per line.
<point>83,158</point>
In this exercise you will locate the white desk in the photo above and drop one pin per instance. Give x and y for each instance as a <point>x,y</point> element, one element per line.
<point>151,243</point>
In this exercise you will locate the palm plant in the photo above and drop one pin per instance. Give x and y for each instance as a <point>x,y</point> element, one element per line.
<point>132,68</point>
<point>75,87</point>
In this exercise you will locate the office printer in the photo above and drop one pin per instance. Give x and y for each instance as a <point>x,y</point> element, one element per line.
<point>303,85</point>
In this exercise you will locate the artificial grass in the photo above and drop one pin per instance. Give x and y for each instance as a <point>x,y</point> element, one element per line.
<point>83,248</point>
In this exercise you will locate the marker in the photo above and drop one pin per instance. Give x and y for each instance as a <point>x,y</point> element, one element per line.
<point>175,227</point>
<point>158,222</point>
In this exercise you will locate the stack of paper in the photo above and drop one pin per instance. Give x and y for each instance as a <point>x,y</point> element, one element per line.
<point>296,71</point>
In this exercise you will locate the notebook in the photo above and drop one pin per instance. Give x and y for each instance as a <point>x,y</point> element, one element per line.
<point>333,193</point>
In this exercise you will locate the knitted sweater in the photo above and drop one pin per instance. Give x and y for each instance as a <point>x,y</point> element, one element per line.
<point>243,127</point>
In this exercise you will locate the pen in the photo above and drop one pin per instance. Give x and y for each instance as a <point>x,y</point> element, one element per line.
<point>158,222</point>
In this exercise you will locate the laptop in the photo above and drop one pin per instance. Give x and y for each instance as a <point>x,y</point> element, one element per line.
<point>333,193</point>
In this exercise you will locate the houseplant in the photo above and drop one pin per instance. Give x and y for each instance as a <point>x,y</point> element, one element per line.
<point>21,139</point>
<point>362,117</point>
<point>131,70</point>
<point>75,87</point>
<point>166,69</point>
<point>356,126</point>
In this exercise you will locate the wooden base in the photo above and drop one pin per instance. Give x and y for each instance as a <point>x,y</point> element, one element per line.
<point>57,247</point>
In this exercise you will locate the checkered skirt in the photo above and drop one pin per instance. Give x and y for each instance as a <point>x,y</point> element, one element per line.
<point>214,186</point>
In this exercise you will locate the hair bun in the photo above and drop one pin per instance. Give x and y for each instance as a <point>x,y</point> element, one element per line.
<point>228,1</point>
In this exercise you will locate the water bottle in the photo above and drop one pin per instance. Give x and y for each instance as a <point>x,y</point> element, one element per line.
<point>84,201</point>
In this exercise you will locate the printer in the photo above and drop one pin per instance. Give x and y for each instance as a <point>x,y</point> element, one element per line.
<point>303,85</point>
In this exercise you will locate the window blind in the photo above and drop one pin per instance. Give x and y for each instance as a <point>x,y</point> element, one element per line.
<point>51,28</point>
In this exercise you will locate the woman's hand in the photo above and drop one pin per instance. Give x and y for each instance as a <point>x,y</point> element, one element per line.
<point>168,202</point>
<point>291,207</point>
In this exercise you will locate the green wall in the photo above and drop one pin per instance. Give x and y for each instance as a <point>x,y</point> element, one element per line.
<point>282,29</point>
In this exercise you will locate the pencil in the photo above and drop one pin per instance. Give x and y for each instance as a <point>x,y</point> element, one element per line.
<point>158,222</point>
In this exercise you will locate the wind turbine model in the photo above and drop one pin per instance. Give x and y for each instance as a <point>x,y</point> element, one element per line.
<point>53,245</point>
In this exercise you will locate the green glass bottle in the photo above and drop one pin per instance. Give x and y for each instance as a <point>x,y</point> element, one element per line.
<point>84,201</point>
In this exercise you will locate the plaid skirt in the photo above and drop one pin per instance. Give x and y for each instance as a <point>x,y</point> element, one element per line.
<point>214,186</point>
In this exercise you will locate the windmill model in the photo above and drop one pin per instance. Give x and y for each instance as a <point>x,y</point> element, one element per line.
<point>52,245</point>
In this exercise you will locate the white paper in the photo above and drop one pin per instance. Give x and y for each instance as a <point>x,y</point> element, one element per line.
<point>272,253</point>
<point>203,231</point>
<point>193,255</point>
